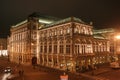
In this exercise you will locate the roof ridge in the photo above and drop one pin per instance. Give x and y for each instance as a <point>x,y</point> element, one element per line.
<point>72,18</point>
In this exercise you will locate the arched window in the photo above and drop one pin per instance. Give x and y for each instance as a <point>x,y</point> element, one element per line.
<point>84,30</point>
<point>75,30</point>
<point>89,46</point>
<point>55,47</point>
<point>50,47</point>
<point>90,31</point>
<point>68,47</point>
<point>55,32</point>
<point>61,47</point>
<point>61,31</point>
<point>68,30</point>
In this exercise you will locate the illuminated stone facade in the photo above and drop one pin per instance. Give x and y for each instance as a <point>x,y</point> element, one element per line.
<point>64,44</point>
<point>70,44</point>
<point>23,39</point>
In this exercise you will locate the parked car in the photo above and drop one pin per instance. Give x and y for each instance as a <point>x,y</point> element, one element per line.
<point>115,65</point>
<point>8,70</point>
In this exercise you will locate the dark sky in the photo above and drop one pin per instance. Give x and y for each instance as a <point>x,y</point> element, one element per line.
<point>102,13</point>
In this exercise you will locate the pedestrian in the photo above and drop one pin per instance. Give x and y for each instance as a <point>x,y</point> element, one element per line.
<point>22,72</point>
<point>15,69</point>
<point>64,76</point>
<point>19,72</point>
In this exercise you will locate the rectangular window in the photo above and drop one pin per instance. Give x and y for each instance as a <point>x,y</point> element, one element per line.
<point>75,49</point>
<point>41,50</point>
<point>67,49</point>
<point>55,49</point>
<point>45,49</point>
<point>50,49</point>
<point>89,48</point>
<point>61,48</point>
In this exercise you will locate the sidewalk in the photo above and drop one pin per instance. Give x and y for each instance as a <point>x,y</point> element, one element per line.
<point>98,71</point>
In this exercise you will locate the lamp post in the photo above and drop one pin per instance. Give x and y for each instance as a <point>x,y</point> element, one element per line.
<point>116,46</point>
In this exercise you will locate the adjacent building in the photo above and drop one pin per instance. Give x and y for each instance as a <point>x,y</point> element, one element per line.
<point>113,35</point>
<point>67,44</point>
<point>3,47</point>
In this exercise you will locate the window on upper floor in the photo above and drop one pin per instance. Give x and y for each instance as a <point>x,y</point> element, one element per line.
<point>50,33</point>
<point>68,30</point>
<point>61,31</point>
<point>55,32</point>
<point>45,49</point>
<point>41,49</point>
<point>55,49</point>
<point>67,49</point>
<point>84,30</point>
<point>75,30</point>
<point>50,48</point>
<point>89,31</point>
<point>61,48</point>
<point>89,48</point>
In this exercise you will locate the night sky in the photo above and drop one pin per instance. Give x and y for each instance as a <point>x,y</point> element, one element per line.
<point>103,13</point>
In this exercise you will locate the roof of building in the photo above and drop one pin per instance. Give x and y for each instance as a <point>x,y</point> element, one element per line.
<point>100,31</point>
<point>49,20</point>
<point>98,36</point>
<point>64,21</point>
<point>23,22</point>
<point>45,19</point>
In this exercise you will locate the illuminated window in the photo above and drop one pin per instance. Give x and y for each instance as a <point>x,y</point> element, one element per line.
<point>84,30</point>
<point>68,30</point>
<point>47,33</point>
<point>83,48</point>
<point>89,48</point>
<point>55,32</point>
<point>75,30</point>
<point>87,32</point>
<point>50,34</point>
<point>79,31</point>
<point>61,32</point>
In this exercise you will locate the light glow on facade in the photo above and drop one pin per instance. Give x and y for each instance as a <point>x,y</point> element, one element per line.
<point>117,37</point>
<point>3,53</point>
<point>45,21</point>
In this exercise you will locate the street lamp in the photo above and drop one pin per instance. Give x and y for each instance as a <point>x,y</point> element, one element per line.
<point>116,38</point>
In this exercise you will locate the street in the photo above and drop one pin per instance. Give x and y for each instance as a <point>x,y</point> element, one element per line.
<point>39,73</point>
<point>112,75</point>
<point>42,73</point>
<point>29,72</point>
